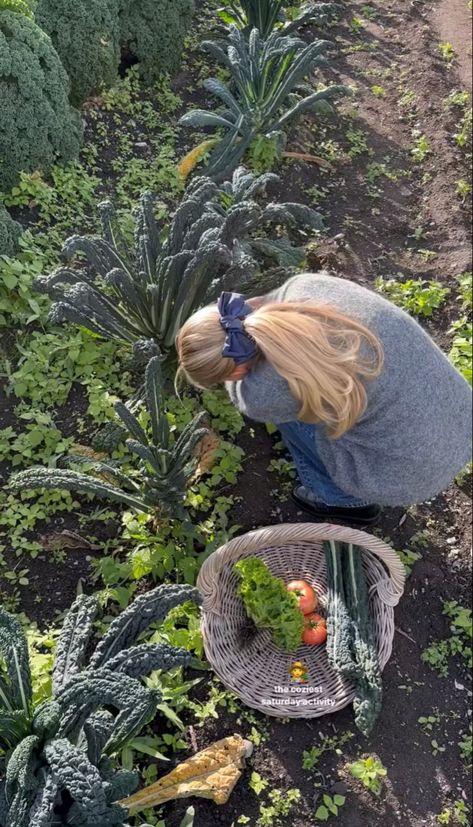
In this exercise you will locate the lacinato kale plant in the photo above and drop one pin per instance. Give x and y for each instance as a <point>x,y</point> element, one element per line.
<point>56,756</point>
<point>264,95</point>
<point>164,465</point>
<point>218,238</point>
<point>268,15</point>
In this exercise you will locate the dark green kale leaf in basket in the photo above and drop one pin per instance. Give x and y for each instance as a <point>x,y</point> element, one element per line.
<point>57,769</point>
<point>351,642</point>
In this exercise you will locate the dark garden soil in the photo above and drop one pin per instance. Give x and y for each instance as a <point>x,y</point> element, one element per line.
<point>381,227</point>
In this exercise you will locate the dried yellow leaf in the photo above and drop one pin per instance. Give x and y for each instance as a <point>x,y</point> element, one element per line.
<point>190,161</point>
<point>212,773</point>
<point>206,453</point>
<point>85,451</point>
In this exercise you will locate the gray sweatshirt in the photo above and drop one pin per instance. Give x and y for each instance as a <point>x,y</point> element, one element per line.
<point>415,435</point>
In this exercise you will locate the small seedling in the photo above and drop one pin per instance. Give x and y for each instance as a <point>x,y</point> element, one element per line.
<point>370,772</point>
<point>257,783</point>
<point>437,749</point>
<point>358,143</point>
<point>447,52</point>
<point>378,91</point>
<point>428,723</point>
<point>312,756</point>
<point>281,802</point>
<point>421,148</point>
<point>466,748</point>
<point>462,189</point>
<point>409,558</point>
<point>457,814</point>
<point>368,12</point>
<point>461,354</point>
<point>330,807</point>
<point>357,25</point>
<point>465,295</point>
<point>438,654</point>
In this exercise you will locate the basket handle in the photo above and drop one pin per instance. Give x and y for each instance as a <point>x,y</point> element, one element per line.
<point>390,588</point>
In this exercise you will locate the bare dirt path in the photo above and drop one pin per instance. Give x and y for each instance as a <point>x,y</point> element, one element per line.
<point>453,21</point>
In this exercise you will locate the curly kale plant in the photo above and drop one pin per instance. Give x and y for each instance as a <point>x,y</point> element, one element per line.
<point>38,125</point>
<point>214,242</point>
<point>266,92</point>
<point>164,466</point>
<point>85,34</point>
<point>267,15</point>
<point>58,769</point>
<point>153,32</point>
<point>10,232</point>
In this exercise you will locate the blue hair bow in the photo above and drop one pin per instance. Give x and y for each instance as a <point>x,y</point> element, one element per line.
<point>239,346</point>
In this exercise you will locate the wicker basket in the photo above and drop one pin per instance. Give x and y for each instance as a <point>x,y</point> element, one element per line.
<point>302,685</point>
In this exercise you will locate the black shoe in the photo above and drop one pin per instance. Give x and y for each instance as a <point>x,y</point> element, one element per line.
<point>364,516</point>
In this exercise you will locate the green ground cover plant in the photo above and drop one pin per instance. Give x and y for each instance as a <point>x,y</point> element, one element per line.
<point>330,806</point>
<point>164,467</point>
<point>439,653</point>
<point>371,773</point>
<point>36,133</point>
<point>461,354</point>
<point>417,296</point>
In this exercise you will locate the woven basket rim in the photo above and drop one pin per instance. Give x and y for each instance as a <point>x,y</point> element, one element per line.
<point>386,575</point>
<point>270,536</point>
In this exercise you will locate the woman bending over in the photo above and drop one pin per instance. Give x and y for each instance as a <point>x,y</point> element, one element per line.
<point>371,410</point>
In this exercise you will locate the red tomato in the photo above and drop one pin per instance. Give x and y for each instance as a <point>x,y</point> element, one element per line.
<point>315,632</point>
<point>305,595</point>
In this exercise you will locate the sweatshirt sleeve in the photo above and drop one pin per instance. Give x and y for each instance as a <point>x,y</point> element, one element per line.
<point>264,396</point>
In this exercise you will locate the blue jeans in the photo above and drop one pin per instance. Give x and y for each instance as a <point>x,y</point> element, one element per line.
<point>299,439</point>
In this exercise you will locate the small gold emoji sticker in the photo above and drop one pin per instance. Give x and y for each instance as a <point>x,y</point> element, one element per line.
<point>299,673</point>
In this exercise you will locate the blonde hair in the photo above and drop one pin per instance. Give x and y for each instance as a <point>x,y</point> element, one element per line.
<point>323,354</point>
